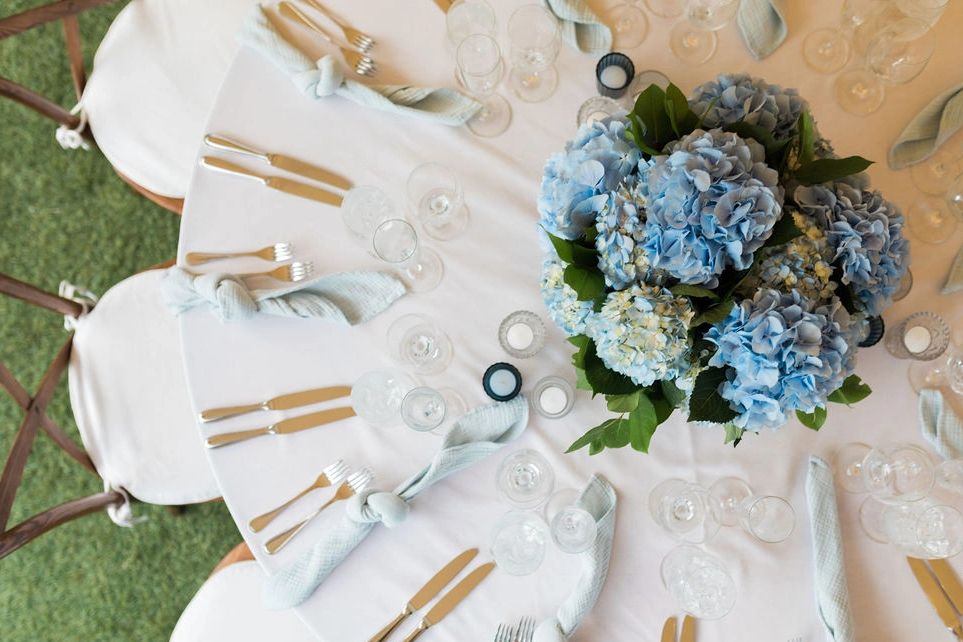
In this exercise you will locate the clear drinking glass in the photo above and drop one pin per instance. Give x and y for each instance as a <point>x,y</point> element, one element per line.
<point>905,286</point>
<point>468,18</point>
<point>377,396</point>
<point>694,40</point>
<point>954,196</point>
<point>924,529</point>
<point>901,472</point>
<point>519,540</point>
<point>928,11</point>
<point>418,343</point>
<point>828,50</point>
<point>949,475</point>
<point>396,242</point>
<point>535,40</point>
<point>930,220</point>
<point>685,510</point>
<point>629,26</point>
<point>525,478</point>
<point>767,518</point>
<point>573,528</point>
<point>666,8</point>
<point>848,466</point>
<point>363,210</point>
<point>946,372</point>
<point>935,175</point>
<point>435,195</point>
<point>923,336</point>
<point>425,409</point>
<point>699,582</point>
<point>480,69</point>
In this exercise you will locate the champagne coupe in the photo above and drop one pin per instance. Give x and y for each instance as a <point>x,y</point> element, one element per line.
<point>535,40</point>
<point>685,510</point>
<point>768,518</point>
<point>396,242</point>
<point>694,40</point>
<point>418,343</point>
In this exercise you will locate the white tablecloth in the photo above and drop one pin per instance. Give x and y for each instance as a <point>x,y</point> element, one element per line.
<point>489,272</point>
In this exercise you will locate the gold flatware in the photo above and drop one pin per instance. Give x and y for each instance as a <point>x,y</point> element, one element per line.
<point>277,253</point>
<point>287,426</point>
<point>688,629</point>
<point>444,5</point>
<point>451,599</point>
<point>280,161</point>
<point>949,582</point>
<point>359,39</point>
<point>281,402</point>
<point>936,596</point>
<point>274,182</point>
<point>668,630</point>
<point>330,475</point>
<point>363,65</point>
<point>293,272</point>
<point>355,483</point>
<point>427,592</point>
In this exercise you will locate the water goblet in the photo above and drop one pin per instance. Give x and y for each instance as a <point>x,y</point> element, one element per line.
<point>930,220</point>
<point>480,69</point>
<point>525,478</point>
<point>902,472</point>
<point>666,8</point>
<point>573,528</point>
<point>419,344</point>
<point>467,18</point>
<point>363,210</point>
<point>699,582</point>
<point>535,40</point>
<point>694,40</point>
<point>947,372</point>
<point>939,532</point>
<point>377,396</point>
<point>425,409</point>
<point>435,195</point>
<point>685,510</point>
<point>396,242</point>
<point>848,466</point>
<point>928,11</point>
<point>923,336</point>
<point>767,518</point>
<point>954,196</point>
<point>629,26</point>
<point>518,542</point>
<point>935,175</point>
<point>828,50</point>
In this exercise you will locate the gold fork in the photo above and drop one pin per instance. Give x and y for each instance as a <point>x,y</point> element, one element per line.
<point>330,476</point>
<point>363,65</point>
<point>297,271</point>
<point>359,39</point>
<point>277,253</point>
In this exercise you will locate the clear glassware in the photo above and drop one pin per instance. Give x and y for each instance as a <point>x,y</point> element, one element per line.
<point>522,334</point>
<point>871,512</point>
<point>954,196</point>
<point>425,409</point>
<point>923,336</point>
<point>573,528</point>
<point>552,397</point>
<point>518,543</point>
<point>902,472</point>
<point>685,510</point>
<point>396,242</point>
<point>905,286</point>
<point>767,518</point>
<point>930,220</point>
<point>928,11</point>
<point>935,175</point>
<point>599,108</point>
<point>666,8</point>
<point>418,343</point>
<point>941,373</point>
<point>377,396</point>
<point>828,50</point>
<point>949,475</point>
<point>535,40</point>
<point>924,529</point>
<point>629,25</point>
<point>435,194</point>
<point>525,478</point>
<point>480,69</point>
<point>363,210</point>
<point>848,466</point>
<point>694,40</point>
<point>467,18</point>
<point>939,532</point>
<point>699,582</point>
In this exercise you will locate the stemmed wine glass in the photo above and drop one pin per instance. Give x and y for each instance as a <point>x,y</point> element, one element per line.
<point>525,478</point>
<point>469,17</point>
<point>416,342</point>
<point>768,518</point>
<point>924,529</point>
<point>629,26</point>
<point>936,174</point>
<point>377,396</point>
<point>946,372</point>
<point>480,69</point>
<point>573,528</point>
<point>435,194</point>
<point>425,409</point>
<point>699,582</point>
<point>686,510</point>
<point>363,210</point>
<point>535,40</point>
<point>518,542</point>
<point>666,8</point>
<point>899,472</point>
<point>694,40</point>
<point>396,242</point>
<point>828,50</point>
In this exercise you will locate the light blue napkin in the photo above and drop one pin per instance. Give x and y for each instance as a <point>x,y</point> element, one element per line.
<point>832,592</point>
<point>473,437</point>
<point>581,28</point>
<point>326,78</point>
<point>954,280</point>
<point>762,25</point>
<point>941,427</point>
<point>347,297</point>
<point>929,129</point>
<point>599,499</point>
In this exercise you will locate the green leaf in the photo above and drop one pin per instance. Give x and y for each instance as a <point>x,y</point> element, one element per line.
<point>588,283</point>
<point>783,231</point>
<point>654,128</point>
<point>596,447</point>
<point>715,314</point>
<point>581,382</point>
<point>578,340</point>
<point>642,424</point>
<point>693,291</point>
<point>814,419</point>
<point>590,233</point>
<point>734,434</point>
<point>807,138</point>
<point>617,434</point>
<point>578,358</point>
<point>592,435</point>
<point>663,409</point>
<point>824,170</point>
<point>572,252</point>
<point>623,403</point>
<point>563,247</point>
<point>852,390</point>
<point>681,117</point>
<point>672,393</point>
<point>603,380</point>
<point>705,403</point>
<point>729,280</point>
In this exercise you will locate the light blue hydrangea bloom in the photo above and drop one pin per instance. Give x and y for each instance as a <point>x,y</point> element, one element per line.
<point>781,354</point>
<point>563,305</point>
<point>642,332</point>
<point>576,183</point>
<point>802,264</point>
<point>733,98</point>
<point>865,232</point>
<point>712,202</point>
<point>621,231</point>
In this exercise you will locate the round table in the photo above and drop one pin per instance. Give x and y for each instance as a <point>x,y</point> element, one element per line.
<point>489,272</point>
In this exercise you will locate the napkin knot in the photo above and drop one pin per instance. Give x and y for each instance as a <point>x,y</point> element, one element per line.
<point>373,506</point>
<point>331,76</point>
<point>228,294</point>
<point>549,631</point>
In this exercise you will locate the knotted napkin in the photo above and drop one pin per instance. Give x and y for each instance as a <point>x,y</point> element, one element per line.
<point>762,25</point>
<point>473,437</point>
<point>941,427</point>
<point>580,27</point>
<point>598,498</point>
<point>832,592</point>
<point>347,297</point>
<point>929,129</point>
<point>326,78</point>
<point>954,280</point>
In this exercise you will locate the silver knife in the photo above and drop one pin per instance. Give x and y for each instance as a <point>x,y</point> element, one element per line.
<point>281,162</point>
<point>281,402</point>
<point>295,424</point>
<point>428,591</point>
<point>936,596</point>
<point>274,182</point>
<point>451,599</point>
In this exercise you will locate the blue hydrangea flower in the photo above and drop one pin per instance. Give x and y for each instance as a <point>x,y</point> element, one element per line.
<point>781,354</point>
<point>712,202</point>
<point>733,98</point>
<point>576,183</point>
<point>621,232</point>
<point>642,332</point>
<point>802,264</point>
<point>865,232</point>
<point>563,305</point>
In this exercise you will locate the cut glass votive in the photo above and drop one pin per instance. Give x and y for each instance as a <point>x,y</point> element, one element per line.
<point>522,334</point>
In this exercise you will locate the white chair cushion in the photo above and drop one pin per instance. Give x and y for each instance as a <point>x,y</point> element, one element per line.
<point>154,80</point>
<point>129,396</point>
<point>229,608</point>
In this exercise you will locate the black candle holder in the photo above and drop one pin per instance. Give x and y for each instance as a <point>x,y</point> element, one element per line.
<point>614,59</point>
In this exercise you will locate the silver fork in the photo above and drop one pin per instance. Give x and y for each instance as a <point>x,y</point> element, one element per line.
<point>356,482</point>
<point>297,271</point>
<point>524,630</point>
<point>278,252</point>
<point>503,633</point>
<point>330,475</point>
<point>363,65</point>
<point>359,39</point>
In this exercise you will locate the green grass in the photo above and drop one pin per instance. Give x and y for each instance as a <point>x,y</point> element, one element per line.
<point>66,215</point>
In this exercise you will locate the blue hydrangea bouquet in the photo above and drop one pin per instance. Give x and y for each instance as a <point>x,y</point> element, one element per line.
<point>714,255</point>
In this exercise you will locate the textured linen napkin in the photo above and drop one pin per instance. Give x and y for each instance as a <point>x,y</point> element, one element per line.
<point>762,25</point>
<point>929,129</point>
<point>347,297</point>
<point>581,28</point>
<point>326,78</point>
<point>954,280</point>
<point>832,592</point>
<point>473,437</point>
<point>599,499</point>
<point>941,427</point>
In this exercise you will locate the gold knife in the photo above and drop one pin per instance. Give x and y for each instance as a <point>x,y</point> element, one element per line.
<point>428,591</point>
<point>274,182</point>
<point>688,629</point>
<point>281,402</point>
<point>281,162</point>
<point>444,5</point>
<point>949,582</point>
<point>295,424</point>
<point>668,630</point>
<point>451,599</point>
<point>936,596</point>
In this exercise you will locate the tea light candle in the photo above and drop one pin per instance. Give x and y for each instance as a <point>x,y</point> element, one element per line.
<point>613,77</point>
<point>553,400</point>
<point>917,339</point>
<point>502,381</point>
<point>553,397</point>
<point>520,336</point>
<point>613,73</point>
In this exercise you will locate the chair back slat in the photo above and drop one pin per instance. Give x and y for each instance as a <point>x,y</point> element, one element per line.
<point>40,523</point>
<point>35,296</point>
<point>75,53</point>
<point>26,20</point>
<point>37,102</point>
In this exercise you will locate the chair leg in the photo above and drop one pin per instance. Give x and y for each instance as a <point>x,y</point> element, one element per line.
<point>176,511</point>
<point>240,553</point>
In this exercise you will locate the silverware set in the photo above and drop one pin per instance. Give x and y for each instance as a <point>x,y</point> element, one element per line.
<point>362,64</point>
<point>360,40</point>
<point>330,475</point>
<point>523,631</point>
<point>943,589</point>
<point>277,253</point>
<point>688,630</point>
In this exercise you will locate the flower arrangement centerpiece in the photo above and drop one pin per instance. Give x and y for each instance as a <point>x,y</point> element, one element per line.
<point>714,255</point>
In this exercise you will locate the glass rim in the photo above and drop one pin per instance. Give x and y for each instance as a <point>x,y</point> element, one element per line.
<point>435,165</point>
<point>533,8</point>
<point>478,37</point>
<point>399,221</point>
